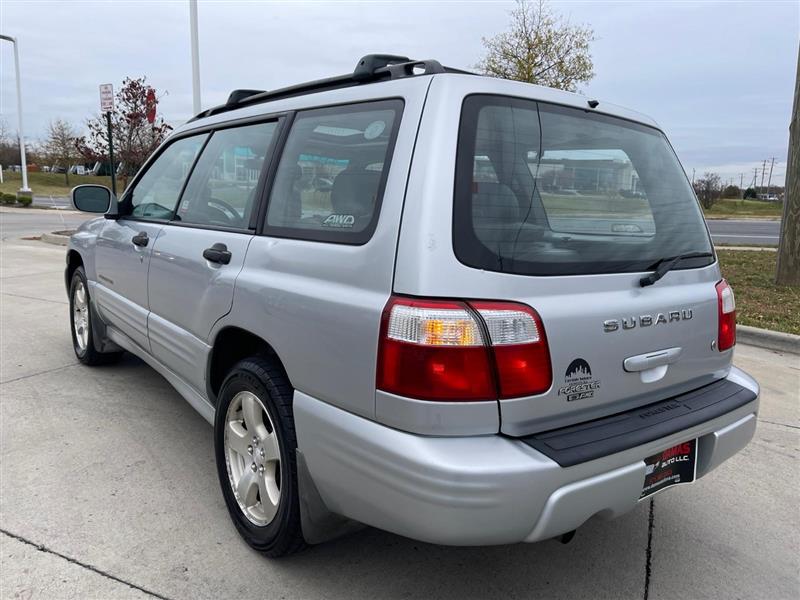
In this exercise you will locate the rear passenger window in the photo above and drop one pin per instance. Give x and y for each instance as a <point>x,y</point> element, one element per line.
<point>331,175</point>
<point>156,193</point>
<point>223,186</point>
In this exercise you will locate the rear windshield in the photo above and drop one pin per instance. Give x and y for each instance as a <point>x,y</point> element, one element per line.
<point>550,190</point>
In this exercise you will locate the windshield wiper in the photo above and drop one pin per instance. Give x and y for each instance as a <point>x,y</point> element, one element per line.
<point>665,265</point>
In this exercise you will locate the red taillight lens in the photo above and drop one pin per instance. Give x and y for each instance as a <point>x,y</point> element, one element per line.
<point>433,350</point>
<point>521,354</point>
<point>726,305</point>
<point>452,351</point>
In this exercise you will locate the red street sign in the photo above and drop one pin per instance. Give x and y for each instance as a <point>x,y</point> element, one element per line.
<point>151,106</point>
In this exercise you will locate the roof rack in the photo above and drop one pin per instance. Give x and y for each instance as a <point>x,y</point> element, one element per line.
<point>371,68</point>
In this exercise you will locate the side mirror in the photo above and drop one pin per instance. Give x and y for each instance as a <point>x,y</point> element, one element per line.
<point>94,199</point>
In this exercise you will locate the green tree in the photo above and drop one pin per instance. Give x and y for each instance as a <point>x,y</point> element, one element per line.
<point>540,47</point>
<point>731,191</point>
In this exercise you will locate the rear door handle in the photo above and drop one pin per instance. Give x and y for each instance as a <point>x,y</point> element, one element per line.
<point>141,239</point>
<point>659,358</point>
<point>218,253</point>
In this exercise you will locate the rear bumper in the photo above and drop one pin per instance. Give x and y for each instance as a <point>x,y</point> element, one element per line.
<point>482,490</point>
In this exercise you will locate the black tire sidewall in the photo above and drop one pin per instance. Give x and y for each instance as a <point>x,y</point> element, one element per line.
<point>263,538</point>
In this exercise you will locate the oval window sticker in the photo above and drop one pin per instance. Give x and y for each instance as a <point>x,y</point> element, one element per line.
<point>374,129</point>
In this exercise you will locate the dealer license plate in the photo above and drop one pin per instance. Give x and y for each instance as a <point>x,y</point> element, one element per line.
<point>670,467</point>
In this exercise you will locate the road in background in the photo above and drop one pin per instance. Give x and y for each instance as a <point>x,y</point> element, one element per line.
<point>744,231</point>
<point>51,201</point>
<point>23,222</point>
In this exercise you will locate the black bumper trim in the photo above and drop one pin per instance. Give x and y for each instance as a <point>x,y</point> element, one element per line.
<point>580,443</point>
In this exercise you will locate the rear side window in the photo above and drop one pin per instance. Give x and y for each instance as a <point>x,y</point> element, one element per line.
<point>550,190</point>
<point>331,175</point>
<point>222,188</point>
<point>156,193</point>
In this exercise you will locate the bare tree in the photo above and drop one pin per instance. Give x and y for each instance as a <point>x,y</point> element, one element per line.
<point>59,146</point>
<point>788,268</point>
<point>708,189</point>
<point>9,146</point>
<point>540,47</point>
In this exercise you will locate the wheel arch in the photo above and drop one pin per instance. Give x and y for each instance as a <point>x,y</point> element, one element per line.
<point>232,344</point>
<point>74,260</point>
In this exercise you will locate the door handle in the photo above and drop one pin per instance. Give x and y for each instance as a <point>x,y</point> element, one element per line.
<point>140,239</point>
<point>218,253</point>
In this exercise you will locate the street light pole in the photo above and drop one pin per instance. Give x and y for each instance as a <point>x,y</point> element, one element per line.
<point>23,162</point>
<point>195,57</point>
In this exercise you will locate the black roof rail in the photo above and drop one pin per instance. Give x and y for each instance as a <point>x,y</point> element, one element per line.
<point>371,68</point>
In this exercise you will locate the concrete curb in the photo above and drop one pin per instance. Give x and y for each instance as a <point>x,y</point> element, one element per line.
<point>766,338</point>
<point>54,238</point>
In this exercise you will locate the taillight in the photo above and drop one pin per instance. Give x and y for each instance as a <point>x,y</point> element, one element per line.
<point>459,351</point>
<point>726,308</point>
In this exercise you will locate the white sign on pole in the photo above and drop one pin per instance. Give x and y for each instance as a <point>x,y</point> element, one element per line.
<point>106,97</point>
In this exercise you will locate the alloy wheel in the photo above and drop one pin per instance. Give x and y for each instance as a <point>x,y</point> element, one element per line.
<point>253,458</point>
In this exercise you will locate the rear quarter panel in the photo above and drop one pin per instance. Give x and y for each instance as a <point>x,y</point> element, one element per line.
<point>319,304</point>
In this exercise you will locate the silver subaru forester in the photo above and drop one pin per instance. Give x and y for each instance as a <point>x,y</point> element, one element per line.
<point>462,309</point>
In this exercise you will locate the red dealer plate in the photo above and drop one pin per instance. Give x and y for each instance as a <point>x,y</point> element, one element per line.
<point>670,467</point>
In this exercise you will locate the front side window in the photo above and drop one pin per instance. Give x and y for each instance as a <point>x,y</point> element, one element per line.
<point>331,175</point>
<point>222,188</point>
<point>156,193</point>
<point>550,190</point>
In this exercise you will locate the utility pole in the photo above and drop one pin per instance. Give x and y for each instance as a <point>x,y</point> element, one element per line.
<point>692,177</point>
<point>787,271</point>
<point>763,172</point>
<point>741,185</point>
<point>23,162</point>
<point>769,181</point>
<point>195,56</point>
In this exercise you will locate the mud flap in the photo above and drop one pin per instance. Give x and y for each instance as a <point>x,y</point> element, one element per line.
<point>318,523</point>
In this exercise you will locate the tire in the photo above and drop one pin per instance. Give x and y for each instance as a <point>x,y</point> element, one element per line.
<point>257,388</point>
<point>80,321</point>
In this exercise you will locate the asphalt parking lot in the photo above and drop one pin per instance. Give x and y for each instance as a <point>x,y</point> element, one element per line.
<point>108,490</point>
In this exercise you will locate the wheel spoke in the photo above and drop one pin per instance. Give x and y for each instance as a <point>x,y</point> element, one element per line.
<point>238,439</point>
<point>270,446</point>
<point>267,505</point>
<point>251,410</point>
<point>247,487</point>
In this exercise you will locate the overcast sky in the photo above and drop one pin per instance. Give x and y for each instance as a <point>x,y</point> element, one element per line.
<point>717,76</point>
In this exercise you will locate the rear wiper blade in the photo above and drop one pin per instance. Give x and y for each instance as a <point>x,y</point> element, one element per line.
<point>663,266</point>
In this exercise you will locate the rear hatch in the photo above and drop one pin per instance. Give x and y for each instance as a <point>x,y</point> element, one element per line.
<point>566,210</point>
